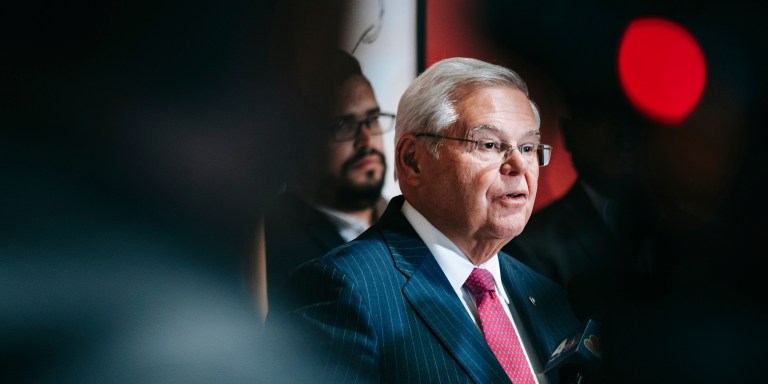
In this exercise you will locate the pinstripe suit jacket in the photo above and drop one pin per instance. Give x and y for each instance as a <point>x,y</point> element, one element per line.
<point>382,310</point>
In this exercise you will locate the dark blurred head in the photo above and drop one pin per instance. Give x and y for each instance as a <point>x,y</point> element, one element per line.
<point>603,142</point>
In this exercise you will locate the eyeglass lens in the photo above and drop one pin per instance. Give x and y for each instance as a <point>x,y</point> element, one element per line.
<point>376,125</point>
<point>490,150</point>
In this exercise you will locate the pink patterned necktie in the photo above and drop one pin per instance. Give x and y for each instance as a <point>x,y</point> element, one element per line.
<point>497,328</point>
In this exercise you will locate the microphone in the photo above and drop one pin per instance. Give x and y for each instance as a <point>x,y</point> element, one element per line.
<point>577,359</point>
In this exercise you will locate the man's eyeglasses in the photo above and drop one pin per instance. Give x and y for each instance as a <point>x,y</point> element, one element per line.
<point>349,129</point>
<point>493,150</point>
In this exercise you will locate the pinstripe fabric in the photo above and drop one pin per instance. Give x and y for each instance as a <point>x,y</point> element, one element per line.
<point>383,311</point>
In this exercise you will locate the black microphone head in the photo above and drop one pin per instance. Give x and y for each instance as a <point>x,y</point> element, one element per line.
<point>577,359</point>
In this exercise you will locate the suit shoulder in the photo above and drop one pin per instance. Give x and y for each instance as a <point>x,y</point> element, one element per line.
<point>360,265</point>
<point>361,250</point>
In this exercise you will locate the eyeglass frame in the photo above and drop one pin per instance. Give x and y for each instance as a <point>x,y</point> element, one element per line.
<point>367,121</point>
<point>505,153</point>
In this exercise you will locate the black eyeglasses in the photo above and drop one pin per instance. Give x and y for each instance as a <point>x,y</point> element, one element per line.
<point>493,150</point>
<point>349,129</point>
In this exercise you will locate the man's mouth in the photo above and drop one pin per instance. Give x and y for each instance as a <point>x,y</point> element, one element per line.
<point>512,196</point>
<point>363,159</point>
<point>366,161</point>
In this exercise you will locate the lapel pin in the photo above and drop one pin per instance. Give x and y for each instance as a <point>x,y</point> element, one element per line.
<point>532,299</point>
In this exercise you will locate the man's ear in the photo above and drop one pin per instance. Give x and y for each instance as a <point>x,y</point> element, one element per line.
<point>408,157</point>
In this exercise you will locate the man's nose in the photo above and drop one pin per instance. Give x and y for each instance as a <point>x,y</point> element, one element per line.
<point>363,137</point>
<point>515,163</point>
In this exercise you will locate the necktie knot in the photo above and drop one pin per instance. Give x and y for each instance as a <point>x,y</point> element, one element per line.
<point>479,282</point>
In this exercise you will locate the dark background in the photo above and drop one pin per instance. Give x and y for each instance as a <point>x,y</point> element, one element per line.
<point>139,141</point>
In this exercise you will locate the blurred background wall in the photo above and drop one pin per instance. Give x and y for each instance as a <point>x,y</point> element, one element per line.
<point>382,34</point>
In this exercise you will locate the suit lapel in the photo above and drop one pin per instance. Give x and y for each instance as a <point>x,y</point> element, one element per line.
<point>522,309</point>
<point>546,320</point>
<point>432,297</point>
<point>434,300</point>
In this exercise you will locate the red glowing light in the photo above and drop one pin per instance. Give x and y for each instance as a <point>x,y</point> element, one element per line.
<point>661,69</point>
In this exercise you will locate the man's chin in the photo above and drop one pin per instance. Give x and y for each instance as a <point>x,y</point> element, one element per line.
<point>365,176</point>
<point>360,195</point>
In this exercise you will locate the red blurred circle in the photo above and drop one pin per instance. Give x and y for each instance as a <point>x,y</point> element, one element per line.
<point>662,69</point>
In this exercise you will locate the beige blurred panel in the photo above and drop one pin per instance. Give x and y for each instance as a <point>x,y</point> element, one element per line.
<point>260,271</point>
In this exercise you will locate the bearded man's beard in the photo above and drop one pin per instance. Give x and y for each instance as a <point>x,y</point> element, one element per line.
<point>355,197</point>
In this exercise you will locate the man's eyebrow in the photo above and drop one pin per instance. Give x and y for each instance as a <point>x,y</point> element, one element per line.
<point>487,127</point>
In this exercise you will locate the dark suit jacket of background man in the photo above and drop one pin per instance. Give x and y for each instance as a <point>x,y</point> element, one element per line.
<point>385,312</point>
<point>295,232</point>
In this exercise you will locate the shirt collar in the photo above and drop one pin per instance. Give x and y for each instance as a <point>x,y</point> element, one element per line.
<point>454,263</point>
<point>350,226</point>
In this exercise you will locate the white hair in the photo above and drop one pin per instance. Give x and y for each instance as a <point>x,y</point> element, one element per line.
<point>428,105</point>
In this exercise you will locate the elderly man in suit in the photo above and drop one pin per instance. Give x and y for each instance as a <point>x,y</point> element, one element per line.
<point>425,295</point>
